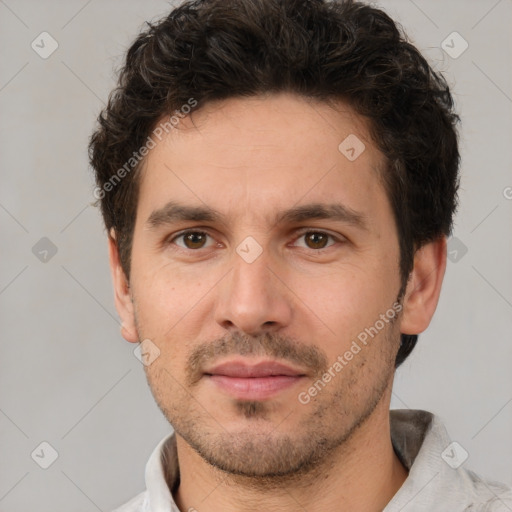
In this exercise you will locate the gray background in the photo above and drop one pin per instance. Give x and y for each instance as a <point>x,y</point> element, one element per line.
<point>68,378</point>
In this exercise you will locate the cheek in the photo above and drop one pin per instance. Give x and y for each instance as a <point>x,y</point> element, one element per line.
<point>157,303</point>
<point>161,288</point>
<point>170,308</point>
<point>342,303</point>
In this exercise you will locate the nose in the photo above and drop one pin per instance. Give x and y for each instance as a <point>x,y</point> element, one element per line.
<point>253,298</point>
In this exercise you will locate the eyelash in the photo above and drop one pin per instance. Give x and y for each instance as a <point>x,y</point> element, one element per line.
<point>306,231</point>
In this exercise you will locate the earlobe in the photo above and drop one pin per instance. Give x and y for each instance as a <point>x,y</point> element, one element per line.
<point>424,287</point>
<point>122,297</point>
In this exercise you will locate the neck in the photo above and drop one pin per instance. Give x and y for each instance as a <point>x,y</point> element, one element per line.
<point>363,474</point>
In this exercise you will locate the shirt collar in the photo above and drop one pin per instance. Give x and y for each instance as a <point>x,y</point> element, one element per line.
<point>163,461</point>
<point>436,477</point>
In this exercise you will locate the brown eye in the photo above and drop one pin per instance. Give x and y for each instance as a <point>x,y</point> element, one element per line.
<point>191,239</point>
<point>194,240</point>
<point>316,240</point>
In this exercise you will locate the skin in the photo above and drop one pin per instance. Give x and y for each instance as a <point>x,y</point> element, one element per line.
<point>250,158</point>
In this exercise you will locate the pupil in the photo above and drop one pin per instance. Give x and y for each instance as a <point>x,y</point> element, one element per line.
<point>195,238</point>
<point>314,238</point>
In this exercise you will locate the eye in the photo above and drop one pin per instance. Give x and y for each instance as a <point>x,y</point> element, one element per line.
<point>191,239</point>
<point>316,239</point>
<point>195,240</point>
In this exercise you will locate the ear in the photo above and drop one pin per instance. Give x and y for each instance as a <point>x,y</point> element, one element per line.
<point>424,287</point>
<point>122,296</point>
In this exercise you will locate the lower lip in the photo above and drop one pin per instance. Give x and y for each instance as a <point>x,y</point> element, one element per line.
<point>254,388</point>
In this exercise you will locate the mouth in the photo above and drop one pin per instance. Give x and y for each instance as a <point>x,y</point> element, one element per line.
<point>253,382</point>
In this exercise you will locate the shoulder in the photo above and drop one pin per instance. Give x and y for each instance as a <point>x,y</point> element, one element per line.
<point>490,496</point>
<point>437,473</point>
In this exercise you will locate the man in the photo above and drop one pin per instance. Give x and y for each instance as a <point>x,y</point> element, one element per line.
<point>278,179</point>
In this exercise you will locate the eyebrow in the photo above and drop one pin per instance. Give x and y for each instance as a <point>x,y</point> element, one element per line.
<point>175,212</point>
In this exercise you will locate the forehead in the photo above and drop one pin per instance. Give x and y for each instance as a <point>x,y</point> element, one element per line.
<point>261,154</point>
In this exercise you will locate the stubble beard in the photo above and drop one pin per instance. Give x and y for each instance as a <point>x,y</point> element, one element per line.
<point>263,455</point>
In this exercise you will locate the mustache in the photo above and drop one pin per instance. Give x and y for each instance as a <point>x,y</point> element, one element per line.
<point>267,344</point>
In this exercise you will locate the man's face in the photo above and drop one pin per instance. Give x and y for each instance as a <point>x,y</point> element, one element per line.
<point>254,285</point>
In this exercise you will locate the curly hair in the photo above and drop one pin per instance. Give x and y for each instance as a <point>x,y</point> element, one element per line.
<point>209,50</point>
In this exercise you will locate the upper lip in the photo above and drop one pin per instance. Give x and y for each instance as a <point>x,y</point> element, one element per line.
<point>244,370</point>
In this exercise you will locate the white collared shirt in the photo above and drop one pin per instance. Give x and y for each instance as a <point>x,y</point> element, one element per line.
<point>437,480</point>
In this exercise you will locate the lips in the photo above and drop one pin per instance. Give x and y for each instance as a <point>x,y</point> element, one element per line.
<point>264,369</point>
<point>253,382</point>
